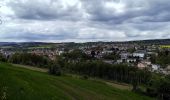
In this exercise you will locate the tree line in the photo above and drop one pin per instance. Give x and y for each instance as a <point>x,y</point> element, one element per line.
<point>159,86</point>
<point>120,73</point>
<point>3,58</point>
<point>163,58</point>
<point>29,59</point>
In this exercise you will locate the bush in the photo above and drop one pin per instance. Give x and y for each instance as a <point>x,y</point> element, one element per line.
<point>29,59</point>
<point>55,69</point>
<point>2,58</point>
<point>85,77</point>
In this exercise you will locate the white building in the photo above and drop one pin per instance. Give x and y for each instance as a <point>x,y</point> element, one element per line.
<point>107,51</point>
<point>168,69</point>
<point>140,54</point>
<point>125,55</point>
<point>155,67</point>
<point>131,60</point>
<point>59,52</point>
<point>119,61</point>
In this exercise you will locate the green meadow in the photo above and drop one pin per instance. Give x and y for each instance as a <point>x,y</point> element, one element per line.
<point>165,46</point>
<point>17,83</point>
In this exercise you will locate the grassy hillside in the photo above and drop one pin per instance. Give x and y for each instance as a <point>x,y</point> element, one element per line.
<point>22,84</point>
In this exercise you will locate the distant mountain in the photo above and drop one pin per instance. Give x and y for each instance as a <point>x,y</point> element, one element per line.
<point>21,43</point>
<point>147,42</point>
<point>154,41</point>
<point>7,43</point>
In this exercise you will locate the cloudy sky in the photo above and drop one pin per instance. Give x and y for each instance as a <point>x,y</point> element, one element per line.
<point>83,20</point>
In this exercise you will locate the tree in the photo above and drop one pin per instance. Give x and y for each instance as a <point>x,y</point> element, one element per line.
<point>55,69</point>
<point>164,89</point>
<point>153,59</point>
<point>112,56</point>
<point>93,54</point>
<point>2,58</point>
<point>29,59</point>
<point>163,58</point>
<point>76,55</point>
<point>134,80</point>
<point>159,86</point>
<point>131,50</point>
<point>121,73</point>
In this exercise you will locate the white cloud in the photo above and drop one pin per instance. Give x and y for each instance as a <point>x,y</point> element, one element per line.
<point>84,20</point>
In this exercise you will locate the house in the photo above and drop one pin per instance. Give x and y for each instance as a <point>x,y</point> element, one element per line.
<point>131,60</point>
<point>108,61</point>
<point>147,62</point>
<point>107,51</point>
<point>60,52</point>
<point>125,55</point>
<point>140,53</point>
<point>155,67</point>
<point>142,65</point>
<point>168,69</point>
<point>152,53</point>
<point>119,61</point>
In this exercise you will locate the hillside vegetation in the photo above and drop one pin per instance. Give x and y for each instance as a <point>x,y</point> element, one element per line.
<point>23,84</point>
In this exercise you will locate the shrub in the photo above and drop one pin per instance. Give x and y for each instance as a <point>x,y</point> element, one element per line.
<point>55,69</point>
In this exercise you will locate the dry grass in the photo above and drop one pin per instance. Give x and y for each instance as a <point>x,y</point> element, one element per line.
<point>31,68</point>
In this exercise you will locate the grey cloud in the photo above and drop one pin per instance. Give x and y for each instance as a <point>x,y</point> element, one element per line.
<point>153,10</point>
<point>37,37</point>
<point>51,20</point>
<point>44,10</point>
<point>142,11</point>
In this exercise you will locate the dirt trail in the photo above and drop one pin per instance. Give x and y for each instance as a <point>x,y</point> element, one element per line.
<point>31,68</point>
<point>120,86</point>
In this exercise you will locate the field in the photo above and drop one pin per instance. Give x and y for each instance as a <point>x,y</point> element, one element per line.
<point>18,83</point>
<point>6,47</point>
<point>41,46</point>
<point>165,46</point>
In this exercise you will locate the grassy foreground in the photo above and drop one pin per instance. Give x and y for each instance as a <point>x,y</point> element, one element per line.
<point>22,84</point>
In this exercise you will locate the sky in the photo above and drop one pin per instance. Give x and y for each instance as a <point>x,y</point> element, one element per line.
<point>83,20</point>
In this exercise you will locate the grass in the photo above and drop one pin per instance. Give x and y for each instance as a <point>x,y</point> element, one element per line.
<point>122,86</point>
<point>23,84</point>
<point>165,46</point>
<point>31,67</point>
<point>41,47</point>
<point>7,47</point>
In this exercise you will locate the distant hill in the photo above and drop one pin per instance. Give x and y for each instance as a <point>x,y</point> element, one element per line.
<point>7,43</point>
<point>156,41</point>
<point>72,44</point>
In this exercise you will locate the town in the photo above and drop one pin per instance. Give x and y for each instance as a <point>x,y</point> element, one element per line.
<point>143,56</point>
